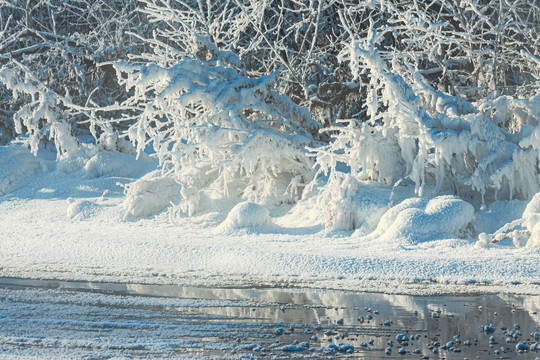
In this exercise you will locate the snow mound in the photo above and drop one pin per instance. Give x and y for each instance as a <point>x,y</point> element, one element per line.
<point>17,164</point>
<point>246,215</point>
<point>498,214</point>
<point>149,196</point>
<point>78,209</point>
<point>112,163</point>
<point>417,220</point>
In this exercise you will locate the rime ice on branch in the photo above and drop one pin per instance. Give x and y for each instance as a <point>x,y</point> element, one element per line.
<point>220,134</point>
<point>440,143</point>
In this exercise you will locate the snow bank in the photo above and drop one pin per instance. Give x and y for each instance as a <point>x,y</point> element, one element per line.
<point>498,215</point>
<point>521,232</point>
<point>246,215</point>
<point>17,164</point>
<point>81,209</point>
<point>112,163</point>
<point>417,220</point>
<point>89,239</point>
<point>96,161</point>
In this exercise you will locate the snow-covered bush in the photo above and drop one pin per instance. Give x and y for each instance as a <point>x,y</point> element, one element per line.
<point>448,146</point>
<point>50,85</point>
<point>45,116</point>
<point>41,117</point>
<point>222,135</point>
<point>344,203</point>
<point>420,219</point>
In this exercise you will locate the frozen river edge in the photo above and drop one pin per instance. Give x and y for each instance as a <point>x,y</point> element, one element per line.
<point>67,319</point>
<point>295,283</point>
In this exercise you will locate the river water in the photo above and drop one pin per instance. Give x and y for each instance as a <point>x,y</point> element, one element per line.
<point>63,319</point>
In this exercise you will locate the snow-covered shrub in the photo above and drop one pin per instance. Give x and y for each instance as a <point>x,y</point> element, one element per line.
<point>345,203</point>
<point>420,219</point>
<point>148,196</point>
<point>45,116</point>
<point>451,145</point>
<point>216,130</point>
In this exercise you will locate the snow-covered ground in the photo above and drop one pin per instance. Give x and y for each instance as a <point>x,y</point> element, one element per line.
<point>67,220</point>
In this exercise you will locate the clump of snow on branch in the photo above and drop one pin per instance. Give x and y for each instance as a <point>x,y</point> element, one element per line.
<point>220,134</point>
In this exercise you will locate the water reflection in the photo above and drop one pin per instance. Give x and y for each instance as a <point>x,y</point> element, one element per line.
<point>355,318</point>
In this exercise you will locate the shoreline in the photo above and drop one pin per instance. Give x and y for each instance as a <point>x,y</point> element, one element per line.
<point>168,285</point>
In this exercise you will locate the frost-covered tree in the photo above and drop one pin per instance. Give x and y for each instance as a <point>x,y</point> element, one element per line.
<point>299,38</point>
<point>49,54</point>
<point>220,134</point>
<point>486,149</point>
<point>470,49</point>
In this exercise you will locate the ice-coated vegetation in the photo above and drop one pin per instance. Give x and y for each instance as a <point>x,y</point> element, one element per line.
<point>401,121</point>
<point>440,143</point>
<point>220,134</point>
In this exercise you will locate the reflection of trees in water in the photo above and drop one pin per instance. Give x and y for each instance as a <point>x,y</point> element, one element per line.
<point>531,304</point>
<point>320,307</point>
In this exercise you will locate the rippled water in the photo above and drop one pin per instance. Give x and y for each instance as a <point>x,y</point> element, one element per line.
<point>45,318</point>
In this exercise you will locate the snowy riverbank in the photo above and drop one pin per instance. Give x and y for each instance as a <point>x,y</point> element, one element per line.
<point>66,220</point>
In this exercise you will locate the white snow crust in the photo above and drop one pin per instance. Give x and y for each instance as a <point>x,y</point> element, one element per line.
<point>66,219</point>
